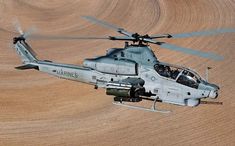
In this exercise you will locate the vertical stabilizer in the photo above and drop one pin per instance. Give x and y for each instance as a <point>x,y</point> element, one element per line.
<point>25,52</point>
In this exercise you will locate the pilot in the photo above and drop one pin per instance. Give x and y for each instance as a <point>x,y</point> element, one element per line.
<point>167,71</point>
<point>175,74</point>
<point>191,74</point>
<point>160,69</point>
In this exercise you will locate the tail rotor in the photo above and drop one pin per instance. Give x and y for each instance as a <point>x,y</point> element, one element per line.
<point>23,34</point>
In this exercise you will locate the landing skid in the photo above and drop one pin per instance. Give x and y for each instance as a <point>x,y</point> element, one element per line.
<point>152,109</point>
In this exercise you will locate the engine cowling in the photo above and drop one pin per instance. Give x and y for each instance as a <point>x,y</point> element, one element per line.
<point>112,66</point>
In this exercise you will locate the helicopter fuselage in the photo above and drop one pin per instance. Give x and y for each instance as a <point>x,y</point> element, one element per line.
<point>134,71</point>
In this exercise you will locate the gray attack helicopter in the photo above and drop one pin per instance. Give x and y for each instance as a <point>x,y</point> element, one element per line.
<point>132,73</point>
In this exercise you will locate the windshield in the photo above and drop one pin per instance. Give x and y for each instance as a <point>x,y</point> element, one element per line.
<point>181,75</point>
<point>167,71</point>
<point>188,79</point>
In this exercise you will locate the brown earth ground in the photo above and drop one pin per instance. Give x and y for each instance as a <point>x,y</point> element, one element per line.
<point>38,109</point>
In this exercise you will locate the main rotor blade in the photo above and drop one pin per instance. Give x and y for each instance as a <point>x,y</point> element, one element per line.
<point>203,33</point>
<point>44,37</point>
<point>160,36</point>
<point>192,52</point>
<point>107,25</point>
<point>103,23</point>
<point>147,40</point>
<point>122,38</point>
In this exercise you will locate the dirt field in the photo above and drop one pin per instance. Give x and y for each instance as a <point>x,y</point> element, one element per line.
<point>38,109</point>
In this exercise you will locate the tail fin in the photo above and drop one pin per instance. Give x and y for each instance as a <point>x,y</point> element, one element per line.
<point>24,50</point>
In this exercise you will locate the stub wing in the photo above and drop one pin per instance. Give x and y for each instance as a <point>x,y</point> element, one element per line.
<point>27,66</point>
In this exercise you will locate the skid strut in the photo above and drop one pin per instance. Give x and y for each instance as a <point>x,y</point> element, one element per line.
<point>152,109</point>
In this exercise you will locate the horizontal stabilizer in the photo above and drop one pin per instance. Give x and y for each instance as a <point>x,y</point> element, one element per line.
<point>27,66</point>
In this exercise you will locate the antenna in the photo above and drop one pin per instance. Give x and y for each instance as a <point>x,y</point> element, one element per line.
<point>207,73</point>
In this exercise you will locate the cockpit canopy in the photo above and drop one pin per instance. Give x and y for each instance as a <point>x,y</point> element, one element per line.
<point>180,74</point>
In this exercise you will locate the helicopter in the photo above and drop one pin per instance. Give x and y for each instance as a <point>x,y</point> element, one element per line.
<point>130,74</point>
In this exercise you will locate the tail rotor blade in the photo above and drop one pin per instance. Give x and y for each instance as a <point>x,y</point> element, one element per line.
<point>192,52</point>
<point>17,26</point>
<point>29,32</point>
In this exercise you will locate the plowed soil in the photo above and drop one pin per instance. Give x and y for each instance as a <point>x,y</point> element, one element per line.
<point>38,109</point>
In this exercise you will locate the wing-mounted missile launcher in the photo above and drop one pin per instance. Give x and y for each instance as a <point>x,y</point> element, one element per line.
<point>130,89</point>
